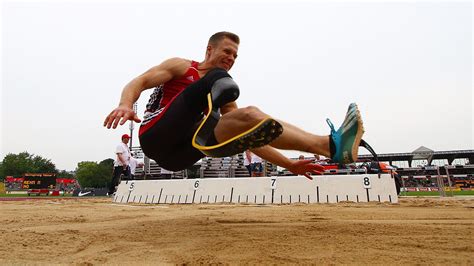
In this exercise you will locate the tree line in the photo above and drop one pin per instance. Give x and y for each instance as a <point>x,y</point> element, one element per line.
<point>89,174</point>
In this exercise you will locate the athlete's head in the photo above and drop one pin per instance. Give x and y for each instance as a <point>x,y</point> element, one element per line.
<point>222,49</point>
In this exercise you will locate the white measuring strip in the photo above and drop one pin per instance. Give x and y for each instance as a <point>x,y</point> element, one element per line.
<point>262,190</point>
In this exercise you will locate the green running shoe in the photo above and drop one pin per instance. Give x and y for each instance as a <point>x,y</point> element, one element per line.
<point>347,138</point>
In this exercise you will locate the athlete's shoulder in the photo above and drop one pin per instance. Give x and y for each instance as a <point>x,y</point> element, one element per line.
<point>177,65</point>
<point>178,62</point>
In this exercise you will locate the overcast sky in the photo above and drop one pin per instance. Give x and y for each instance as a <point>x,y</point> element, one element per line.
<point>407,65</point>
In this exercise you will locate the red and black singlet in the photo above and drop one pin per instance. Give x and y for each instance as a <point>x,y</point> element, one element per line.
<point>165,94</point>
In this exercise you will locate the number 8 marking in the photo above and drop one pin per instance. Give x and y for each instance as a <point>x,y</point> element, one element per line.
<point>366,182</point>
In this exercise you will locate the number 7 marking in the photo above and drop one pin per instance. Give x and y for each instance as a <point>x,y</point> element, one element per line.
<point>273,183</point>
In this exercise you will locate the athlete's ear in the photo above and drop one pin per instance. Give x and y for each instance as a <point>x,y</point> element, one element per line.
<point>208,51</point>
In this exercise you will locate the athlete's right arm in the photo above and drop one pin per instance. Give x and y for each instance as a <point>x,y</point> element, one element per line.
<point>166,71</point>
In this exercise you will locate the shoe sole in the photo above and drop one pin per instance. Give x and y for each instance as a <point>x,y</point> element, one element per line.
<point>260,135</point>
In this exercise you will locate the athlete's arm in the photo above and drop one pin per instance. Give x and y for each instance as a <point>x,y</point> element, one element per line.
<point>166,71</point>
<point>299,167</point>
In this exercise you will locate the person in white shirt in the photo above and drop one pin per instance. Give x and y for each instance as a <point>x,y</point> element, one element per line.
<point>248,161</point>
<point>167,174</point>
<point>257,166</point>
<point>121,163</point>
<point>320,159</point>
<point>134,163</point>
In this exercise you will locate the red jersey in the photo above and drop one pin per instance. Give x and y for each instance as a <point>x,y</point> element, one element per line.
<point>165,93</point>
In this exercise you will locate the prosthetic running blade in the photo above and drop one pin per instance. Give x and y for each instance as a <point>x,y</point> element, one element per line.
<point>260,135</point>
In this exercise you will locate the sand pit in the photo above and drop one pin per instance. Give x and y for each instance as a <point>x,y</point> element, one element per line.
<point>96,231</point>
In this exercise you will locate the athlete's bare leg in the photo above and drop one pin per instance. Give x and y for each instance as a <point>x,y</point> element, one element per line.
<point>292,138</point>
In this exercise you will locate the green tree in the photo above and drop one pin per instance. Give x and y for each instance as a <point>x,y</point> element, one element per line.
<point>18,164</point>
<point>43,165</point>
<point>64,174</point>
<point>108,164</point>
<point>92,174</point>
<point>2,175</point>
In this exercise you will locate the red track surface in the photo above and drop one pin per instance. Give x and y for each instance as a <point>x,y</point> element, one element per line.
<point>35,198</point>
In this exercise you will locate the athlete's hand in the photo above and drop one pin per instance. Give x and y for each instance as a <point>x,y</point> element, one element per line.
<point>306,167</point>
<point>120,115</point>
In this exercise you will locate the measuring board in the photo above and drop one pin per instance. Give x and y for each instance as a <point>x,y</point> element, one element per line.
<point>260,190</point>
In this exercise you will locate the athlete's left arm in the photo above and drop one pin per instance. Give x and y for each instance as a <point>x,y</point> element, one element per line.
<point>299,167</point>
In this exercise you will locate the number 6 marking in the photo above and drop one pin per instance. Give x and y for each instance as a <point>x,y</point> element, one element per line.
<point>196,185</point>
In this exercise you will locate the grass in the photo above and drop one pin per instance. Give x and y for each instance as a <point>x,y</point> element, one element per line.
<point>13,195</point>
<point>436,193</point>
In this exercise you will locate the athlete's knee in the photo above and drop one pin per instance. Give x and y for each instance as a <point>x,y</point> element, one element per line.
<point>252,113</point>
<point>224,91</point>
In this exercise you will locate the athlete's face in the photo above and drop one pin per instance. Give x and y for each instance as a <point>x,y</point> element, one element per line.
<point>223,54</point>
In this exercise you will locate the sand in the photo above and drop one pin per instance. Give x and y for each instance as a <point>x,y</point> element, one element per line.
<point>97,231</point>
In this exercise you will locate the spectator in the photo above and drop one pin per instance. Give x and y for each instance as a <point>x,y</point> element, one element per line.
<point>121,163</point>
<point>321,160</point>
<point>166,173</point>
<point>248,161</point>
<point>301,157</point>
<point>133,165</point>
<point>256,165</point>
